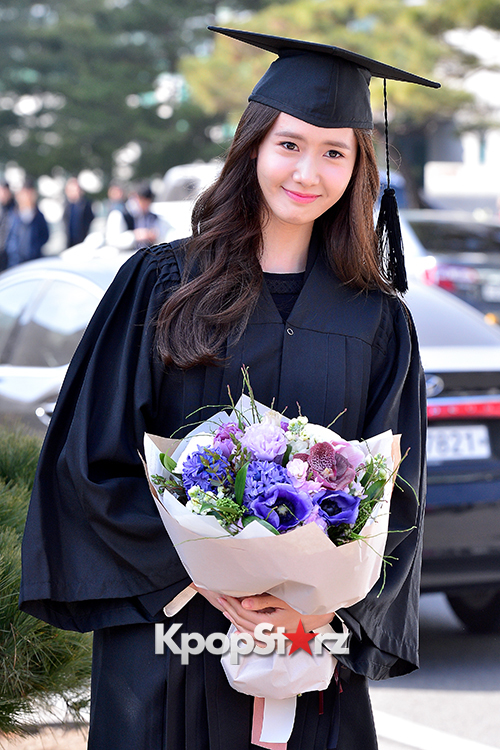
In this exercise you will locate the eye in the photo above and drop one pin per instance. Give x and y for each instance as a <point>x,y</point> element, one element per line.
<point>332,154</point>
<point>289,145</point>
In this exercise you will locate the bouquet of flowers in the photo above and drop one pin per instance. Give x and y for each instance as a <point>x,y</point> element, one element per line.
<point>276,505</point>
<point>280,473</point>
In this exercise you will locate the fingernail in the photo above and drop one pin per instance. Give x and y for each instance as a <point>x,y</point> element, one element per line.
<point>247,603</point>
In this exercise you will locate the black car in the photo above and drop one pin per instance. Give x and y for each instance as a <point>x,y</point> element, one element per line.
<point>466,252</point>
<point>461,358</point>
<point>46,304</point>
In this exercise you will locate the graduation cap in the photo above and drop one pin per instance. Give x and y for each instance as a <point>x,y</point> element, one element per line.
<point>328,86</point>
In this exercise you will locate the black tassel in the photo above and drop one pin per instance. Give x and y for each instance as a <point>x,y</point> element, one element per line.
<point>391,241</point>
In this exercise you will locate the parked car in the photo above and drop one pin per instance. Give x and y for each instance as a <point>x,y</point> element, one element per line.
<point>466,251</point>
<point>46,304</point>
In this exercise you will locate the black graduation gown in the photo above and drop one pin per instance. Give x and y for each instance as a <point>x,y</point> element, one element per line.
<point>95,553</point>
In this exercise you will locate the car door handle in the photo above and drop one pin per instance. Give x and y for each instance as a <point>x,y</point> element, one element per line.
<point>44,412</point>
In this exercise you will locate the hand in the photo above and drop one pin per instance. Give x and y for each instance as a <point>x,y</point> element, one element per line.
<point>210,596</point>
<point>247,613</point>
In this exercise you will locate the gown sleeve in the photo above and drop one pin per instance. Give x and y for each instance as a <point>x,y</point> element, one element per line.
<point>385,624</point>
<point>93,536</point>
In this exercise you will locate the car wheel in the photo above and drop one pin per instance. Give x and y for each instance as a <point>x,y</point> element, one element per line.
<point>479,610</point>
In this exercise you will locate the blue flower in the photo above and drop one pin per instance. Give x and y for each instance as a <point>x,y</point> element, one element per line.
<point>282,506</point>
<point>338,507</point>
<point>208,469</point>
<point>262,475</point>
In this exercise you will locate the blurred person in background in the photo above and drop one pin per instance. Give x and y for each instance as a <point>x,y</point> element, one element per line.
<point>7,208</point>
<point>133,224</point>
<point>78,213</point>
<point>117,201</point>
<point>28,230</point>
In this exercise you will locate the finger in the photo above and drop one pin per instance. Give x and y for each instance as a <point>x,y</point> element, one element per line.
<point>244,619</point>
<point>241,625</point>
<point>263,601</point>
<point>234,608</point>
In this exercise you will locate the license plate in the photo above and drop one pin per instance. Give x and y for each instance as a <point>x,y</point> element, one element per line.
<point>458,443</point>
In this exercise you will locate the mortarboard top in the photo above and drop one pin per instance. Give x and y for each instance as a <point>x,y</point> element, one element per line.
<point>321,84</point>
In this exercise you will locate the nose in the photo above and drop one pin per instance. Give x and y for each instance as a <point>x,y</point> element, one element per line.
<point>306,171</point>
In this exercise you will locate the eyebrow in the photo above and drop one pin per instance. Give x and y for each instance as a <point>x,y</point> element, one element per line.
<point>298,137</point>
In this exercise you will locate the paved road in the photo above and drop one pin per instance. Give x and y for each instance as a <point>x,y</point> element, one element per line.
<point>453,701</point>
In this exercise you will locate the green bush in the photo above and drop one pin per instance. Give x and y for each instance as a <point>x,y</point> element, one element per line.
<point>38,663</point>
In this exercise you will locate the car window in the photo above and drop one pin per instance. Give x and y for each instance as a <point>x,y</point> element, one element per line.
<point>449,237</point>
<point>13,301</point>
<point>443,320</point>
<point>51,335</point>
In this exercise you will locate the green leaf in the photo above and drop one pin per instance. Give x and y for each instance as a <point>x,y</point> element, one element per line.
<point>376,490</point>
<point>168,462</point>
<point>248,519</point>
<point>287,455</point>
<point>239,483</point>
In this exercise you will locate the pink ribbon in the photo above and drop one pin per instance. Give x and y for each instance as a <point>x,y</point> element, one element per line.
<point>258,718</point>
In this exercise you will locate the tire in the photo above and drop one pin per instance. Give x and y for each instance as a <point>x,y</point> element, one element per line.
<point>479,609</point>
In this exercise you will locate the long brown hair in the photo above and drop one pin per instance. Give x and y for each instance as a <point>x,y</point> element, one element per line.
<point>222,276</point>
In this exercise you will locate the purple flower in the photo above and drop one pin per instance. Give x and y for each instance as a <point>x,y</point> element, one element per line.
<point>223,441</point>
<point>262,476</point>
<point>282,506</point>
<point>265,440</point>
<point>315,517</point>
<point>208,469</point>
<point>338,507</point>
<point>330,467</point>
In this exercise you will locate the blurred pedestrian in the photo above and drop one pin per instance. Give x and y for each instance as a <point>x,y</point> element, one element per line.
<point>132,225</point>
<point>29,230</point>
<point>78,213</point>
<point>117,201</point>
<point>7,208</point>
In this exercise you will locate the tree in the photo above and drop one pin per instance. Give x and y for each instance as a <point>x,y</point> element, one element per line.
<point>79,80</point>
<point>37,662</point>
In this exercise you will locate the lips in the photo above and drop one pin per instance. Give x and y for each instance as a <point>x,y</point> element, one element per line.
<point>301,197</point>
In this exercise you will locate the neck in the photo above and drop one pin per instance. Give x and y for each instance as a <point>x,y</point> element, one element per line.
<point>285,248</point>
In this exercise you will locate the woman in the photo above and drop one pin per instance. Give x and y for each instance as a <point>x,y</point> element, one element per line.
<point>283,274</point>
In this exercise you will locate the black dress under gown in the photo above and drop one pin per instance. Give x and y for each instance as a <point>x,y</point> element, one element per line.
<point>96,555</point>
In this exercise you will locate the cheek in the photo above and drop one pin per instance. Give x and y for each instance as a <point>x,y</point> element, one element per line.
<point>267,173</point>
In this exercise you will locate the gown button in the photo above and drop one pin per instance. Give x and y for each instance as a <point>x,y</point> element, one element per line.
<point>289,331</point>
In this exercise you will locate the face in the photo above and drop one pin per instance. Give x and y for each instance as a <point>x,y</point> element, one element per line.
<point>303,170</point>
<point>26,198</point>
<point>144,203</point>
<point>73,190</point>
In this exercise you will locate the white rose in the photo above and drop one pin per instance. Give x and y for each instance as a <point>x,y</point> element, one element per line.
<point>273,417</point>
<point>318,434</point>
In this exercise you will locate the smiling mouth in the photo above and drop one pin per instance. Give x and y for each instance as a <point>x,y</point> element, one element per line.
<point>300,197</point>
